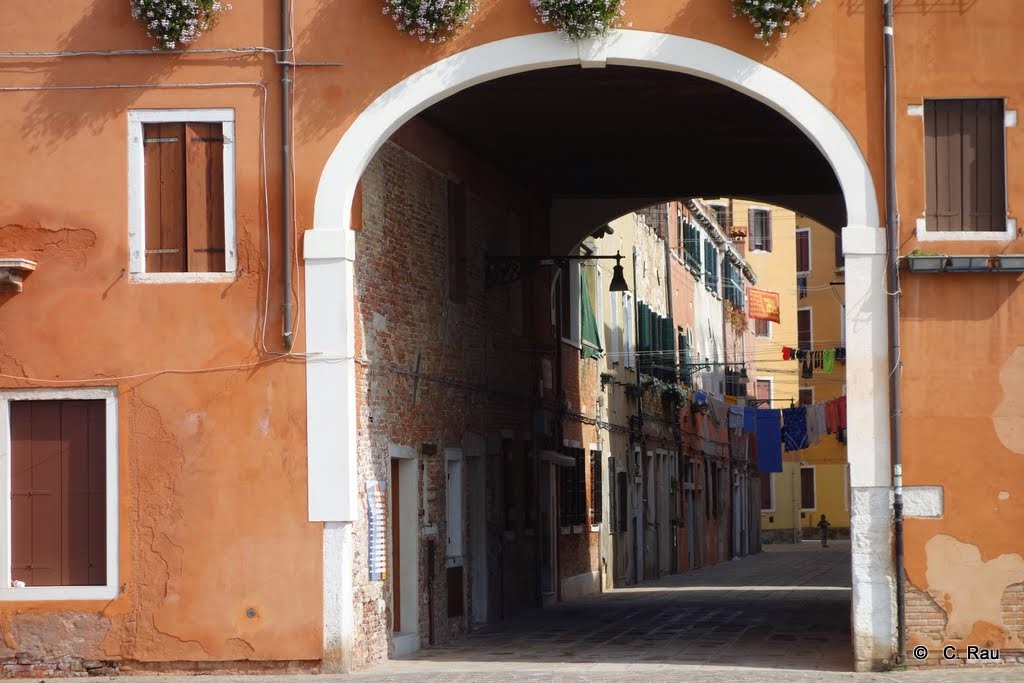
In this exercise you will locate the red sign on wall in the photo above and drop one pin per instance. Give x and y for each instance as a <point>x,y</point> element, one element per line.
<point>763,305</point>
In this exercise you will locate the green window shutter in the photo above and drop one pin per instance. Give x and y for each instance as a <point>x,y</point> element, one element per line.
<point>590,336</point>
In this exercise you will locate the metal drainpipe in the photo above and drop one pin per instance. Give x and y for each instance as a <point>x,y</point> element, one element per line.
<point>286,173</point>
<point>892,257</point>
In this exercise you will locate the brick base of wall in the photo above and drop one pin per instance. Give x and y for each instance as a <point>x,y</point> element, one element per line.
<point>25,667</point>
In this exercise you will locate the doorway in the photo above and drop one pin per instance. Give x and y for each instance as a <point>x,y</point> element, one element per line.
<point>403,512</point>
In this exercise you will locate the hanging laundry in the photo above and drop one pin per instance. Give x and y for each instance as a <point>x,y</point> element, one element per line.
<point>787,353</point>
<point>719,411</point>
<point>841,354</point>
<point>769,441</point>
<point>700,398</point>
<point>731,400</point>
<point>841,411</point>
<point>829,361</point>
<point>749,419</point>
<point>831,417</point>
<point>735,417</point>
<point>808,369</point>
<point>794,428</point>
<point>815,423</point>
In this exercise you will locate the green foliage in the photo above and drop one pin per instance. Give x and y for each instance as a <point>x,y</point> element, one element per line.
<point>176,23</point>
<point>580,19</point>
<point>772,17</point>
<point>432,21</point>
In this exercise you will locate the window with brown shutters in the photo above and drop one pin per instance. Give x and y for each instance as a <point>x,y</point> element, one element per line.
<point>184,190</point>
<point>965,165</point>
<point>807,488</point>
<point>803,251</point>
<point>760,228</point>
<point>58,492</point>
<point>803,329</point>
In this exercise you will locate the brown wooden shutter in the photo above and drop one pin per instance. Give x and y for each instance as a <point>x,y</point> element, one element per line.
<point>766,491</point>
<point>35,492</point>
<point>807,488</point>
<point>204,196</point>
<point>803,251</point>
<point>803,328</point>
<point>164,149</point>
<point>984,201</point>
<point>58,492</point>
<point>767,230</point>
<point>840,259</point>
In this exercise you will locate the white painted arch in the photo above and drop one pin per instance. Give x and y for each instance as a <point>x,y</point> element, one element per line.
<point>330,253</point>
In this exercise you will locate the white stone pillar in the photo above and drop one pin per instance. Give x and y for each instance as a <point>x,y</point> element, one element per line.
<point>331,427</point>
<point>867,390</point>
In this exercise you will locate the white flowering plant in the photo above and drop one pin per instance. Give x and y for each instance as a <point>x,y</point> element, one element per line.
<point>580,19</point>
<point>176,23</point>
<point>772,17</point>
<point>433,21</point>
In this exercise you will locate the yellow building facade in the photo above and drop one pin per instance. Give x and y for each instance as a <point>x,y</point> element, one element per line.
<point>796,257</point>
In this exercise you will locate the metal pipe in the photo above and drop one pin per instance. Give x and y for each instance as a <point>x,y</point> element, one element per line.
<point>892,258</point>
<point>287,333</point>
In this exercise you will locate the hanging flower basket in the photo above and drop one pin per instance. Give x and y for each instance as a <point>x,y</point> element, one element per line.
<point>176,23</point>
<point>772,17</point>
<point>433,21</point>
<point>580,19</point>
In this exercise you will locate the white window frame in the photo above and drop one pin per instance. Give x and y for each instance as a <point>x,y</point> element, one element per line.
<point>573,269</point>
<point>771,388</point>
<point>137,193</point>
<point>771,492</point>
<point>810,252</point>
<point>750,231</point>
<point>455,547</point>
<point>110,589</point>
<point>766,336</point>
<point>814,479</point>
<point>1008,235</point>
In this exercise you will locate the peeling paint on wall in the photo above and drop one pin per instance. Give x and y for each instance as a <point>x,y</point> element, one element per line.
<point>969,589</point>
<point>63,244</point>
<point>1008,416</point>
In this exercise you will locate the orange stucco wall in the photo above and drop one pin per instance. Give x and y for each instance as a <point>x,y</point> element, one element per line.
<point>213,469</point>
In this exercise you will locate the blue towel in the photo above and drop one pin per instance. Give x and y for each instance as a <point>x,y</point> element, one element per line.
<point>769,441</point>
<point>794,431</point>
<point>700,398</point>
<point>750,419</point>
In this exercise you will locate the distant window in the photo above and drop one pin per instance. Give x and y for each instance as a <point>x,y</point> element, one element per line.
<point>760,229</point>
<point>596,504</point>
<point>721,214</point>
<point>965,177</point>
<point>762,328</point>
<point>573,487</point>
<point>763,390</point>
<point>767,500</point>
<point>803,329</point>
<point>803,251</point>
<point>806,396</point>
<point>807,501</point>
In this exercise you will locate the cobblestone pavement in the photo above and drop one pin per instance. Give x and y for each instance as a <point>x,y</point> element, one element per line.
<point>779,617</point>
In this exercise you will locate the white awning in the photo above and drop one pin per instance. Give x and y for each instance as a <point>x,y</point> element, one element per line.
<point>558,458</point>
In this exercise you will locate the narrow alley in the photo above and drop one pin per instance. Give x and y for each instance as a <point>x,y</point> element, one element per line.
<point>786,608</point>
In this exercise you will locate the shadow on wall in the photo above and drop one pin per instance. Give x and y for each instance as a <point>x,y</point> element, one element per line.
<point>964,296</point>
<point>321,101</point>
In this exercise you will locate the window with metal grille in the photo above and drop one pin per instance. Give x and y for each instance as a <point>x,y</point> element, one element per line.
<point>721,214</point>
<point>596,504</point>
<point>573,488</point>
<point>760,229</point>
<point>58,492</point>
<point>965,165</point>
<point>182,202</point>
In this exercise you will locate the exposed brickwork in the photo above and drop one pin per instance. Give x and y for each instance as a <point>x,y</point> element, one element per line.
<point>926,620</point>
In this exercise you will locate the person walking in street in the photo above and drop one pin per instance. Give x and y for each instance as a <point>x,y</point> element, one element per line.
<point>824,525</point>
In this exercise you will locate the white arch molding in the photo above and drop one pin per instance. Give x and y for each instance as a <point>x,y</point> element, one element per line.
<point>330,252</point>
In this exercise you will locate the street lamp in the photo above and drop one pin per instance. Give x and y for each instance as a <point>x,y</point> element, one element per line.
<point>503,270</point>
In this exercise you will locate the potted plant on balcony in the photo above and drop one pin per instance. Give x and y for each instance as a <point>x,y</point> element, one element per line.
<point>432,21</point>
<point>176,23</point>
<point>580,19</point>
<point>772,17</point>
